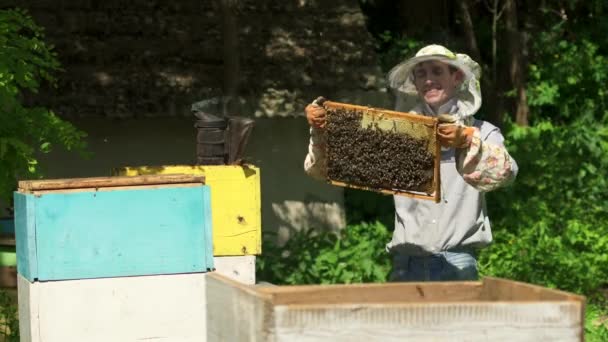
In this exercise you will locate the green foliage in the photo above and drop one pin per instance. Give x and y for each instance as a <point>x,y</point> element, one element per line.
<point>567,79</point>
<point>25,62</point>
<point>394,48</point>
<point>596,323</point>
<point>9,320</point>
<point>355,255</point>
<point>551,227</point>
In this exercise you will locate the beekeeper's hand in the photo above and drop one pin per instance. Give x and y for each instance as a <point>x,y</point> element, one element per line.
<point>453,135</point>
<point>316,114</point>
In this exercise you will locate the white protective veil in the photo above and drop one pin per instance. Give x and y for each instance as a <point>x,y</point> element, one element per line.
<point>468,97</point>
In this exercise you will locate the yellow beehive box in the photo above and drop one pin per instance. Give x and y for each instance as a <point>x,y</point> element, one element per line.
<point>235,203</point>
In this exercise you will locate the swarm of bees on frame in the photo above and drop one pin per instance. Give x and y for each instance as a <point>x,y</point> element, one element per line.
<point>373,158</point>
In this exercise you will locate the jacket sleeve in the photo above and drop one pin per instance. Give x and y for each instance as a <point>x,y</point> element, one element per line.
<point>486,164</point>
<point>315,163</point>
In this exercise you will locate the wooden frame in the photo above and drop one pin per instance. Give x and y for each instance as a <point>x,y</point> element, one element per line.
<point>487,310</point>
<point>426,120</point>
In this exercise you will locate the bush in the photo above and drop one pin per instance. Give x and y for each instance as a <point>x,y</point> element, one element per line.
<point>551,226</point>
<point>355,255</point>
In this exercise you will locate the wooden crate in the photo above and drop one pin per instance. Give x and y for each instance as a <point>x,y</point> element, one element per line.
<point>112,227</point>
<point>489,310</point>
<point>235,203</point>
<point>143,308</point>
<point>419,127</point>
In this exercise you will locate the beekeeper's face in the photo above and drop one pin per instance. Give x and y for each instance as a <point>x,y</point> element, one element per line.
<point>436,82</point>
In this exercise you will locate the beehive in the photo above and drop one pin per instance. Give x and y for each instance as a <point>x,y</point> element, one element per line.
<point>112,227</point>
<point>382,150</point>
<point>235,203</point>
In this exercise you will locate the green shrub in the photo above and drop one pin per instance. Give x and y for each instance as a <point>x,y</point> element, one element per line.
<point>551,226</point>
<point>355,255</point>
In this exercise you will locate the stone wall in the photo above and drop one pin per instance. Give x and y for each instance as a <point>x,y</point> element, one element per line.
<point>133,68</point>
<point>155,58</point>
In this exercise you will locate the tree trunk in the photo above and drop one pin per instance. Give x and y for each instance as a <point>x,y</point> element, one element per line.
<point>230,55</point>
<point>469,31</point>
<point>488,83</point>
<point>517,65</point>
<point>494,90</point>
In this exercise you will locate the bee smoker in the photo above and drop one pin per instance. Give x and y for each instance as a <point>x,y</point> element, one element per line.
<point>220,139</point>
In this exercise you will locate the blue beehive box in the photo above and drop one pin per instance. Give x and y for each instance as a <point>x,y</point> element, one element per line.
<point>7,226</point>
<point>113,227</point>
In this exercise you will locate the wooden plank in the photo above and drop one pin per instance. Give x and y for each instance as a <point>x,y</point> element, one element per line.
<point>146,308</point>
<point>375,293</point>
<point>387,192</point>
<point>118,233</point>
<point>534,321</point>
<point>139,187</point>
<point>207,228</point>
<point>101,182</point>
<point>496,289</point>
<point>437,167</point>
<point>237,312</point>
<point>384,112</point>
<point>25,234</point>
<point>29,327</point>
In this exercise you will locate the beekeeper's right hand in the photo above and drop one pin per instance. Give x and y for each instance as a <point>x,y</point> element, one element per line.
<point>316,115</point>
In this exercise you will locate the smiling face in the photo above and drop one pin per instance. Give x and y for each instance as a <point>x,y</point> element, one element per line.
<point>436,82</point>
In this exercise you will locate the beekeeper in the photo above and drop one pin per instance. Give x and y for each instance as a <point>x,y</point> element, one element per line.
<point>439,241</point>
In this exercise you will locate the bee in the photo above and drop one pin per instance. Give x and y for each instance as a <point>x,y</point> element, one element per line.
<point>373,158</point>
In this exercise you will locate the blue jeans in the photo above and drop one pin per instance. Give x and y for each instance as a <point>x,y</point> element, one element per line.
<point>443,266</point>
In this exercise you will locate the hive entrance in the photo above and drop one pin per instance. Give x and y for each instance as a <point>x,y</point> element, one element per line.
<point>381,150</point>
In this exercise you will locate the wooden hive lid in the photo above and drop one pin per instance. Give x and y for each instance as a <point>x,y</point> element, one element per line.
<point>107,182</point>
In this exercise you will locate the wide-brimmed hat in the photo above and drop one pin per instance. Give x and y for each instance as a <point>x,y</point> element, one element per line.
<point>401,77</point>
